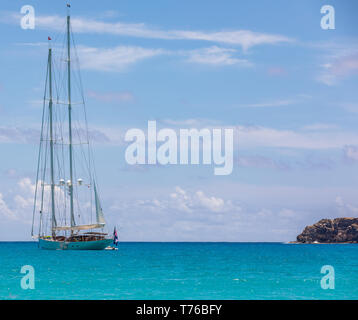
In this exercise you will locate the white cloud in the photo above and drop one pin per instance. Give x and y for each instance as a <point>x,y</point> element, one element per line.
<point>346,209</point>
<point>200,214</point>
<point>26,185</point>
<point>189,202</point>
<point>339,67</point>
<point>193,202</point>
<point>4,209</point>
<point>18,206</point>
<point>214,204</point>
<point>351,152</point>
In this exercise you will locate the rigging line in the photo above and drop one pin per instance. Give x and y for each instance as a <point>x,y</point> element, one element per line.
<point>43,165</point>
<point>78,206</point>
<point>61,162</point>
<point>66,144</point>
<point>89,147</point>
<point>58,190</point>
<point>66,103</point>
<point>75,187</point>
<point>59,33</point>
<point>73,223</point>
<point>39,154</point>
<point>43,176</point>
<point>62,168</point>
<point>77,73</point>
<point>59,83</point>
<point>53,217</point>
<point>85,169</point>
<point>79,68</point>
<point>62,73</point>
<point>47,216</point>
<point>63,173</point>
<point>80,86</point>
<point>55,63</point>
<point>62,79</point>
<point>56,66</point>
<point>78,160</point>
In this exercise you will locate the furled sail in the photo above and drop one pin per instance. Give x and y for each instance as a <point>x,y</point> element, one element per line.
<point>99,212</point>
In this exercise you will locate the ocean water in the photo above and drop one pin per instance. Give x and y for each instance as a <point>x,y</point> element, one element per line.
<point>181,271</point>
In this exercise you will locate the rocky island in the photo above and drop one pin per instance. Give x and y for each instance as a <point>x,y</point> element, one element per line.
<point>339,230</point>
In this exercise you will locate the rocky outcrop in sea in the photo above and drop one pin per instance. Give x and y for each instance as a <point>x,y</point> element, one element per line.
<point>339,230</point>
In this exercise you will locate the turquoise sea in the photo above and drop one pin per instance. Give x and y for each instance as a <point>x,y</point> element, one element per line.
<point>181,271</point>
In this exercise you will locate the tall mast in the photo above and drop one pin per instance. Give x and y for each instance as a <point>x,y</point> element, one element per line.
<point>69,118</point>
<point>53,217</point>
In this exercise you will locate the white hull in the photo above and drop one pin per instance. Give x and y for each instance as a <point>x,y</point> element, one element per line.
<point>80,245</point>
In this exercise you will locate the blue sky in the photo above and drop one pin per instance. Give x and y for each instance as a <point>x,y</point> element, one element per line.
<point>265,68</point>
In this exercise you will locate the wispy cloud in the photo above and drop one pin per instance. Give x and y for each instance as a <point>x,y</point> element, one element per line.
<point>249,136</point>
<point>299,98</point>
<point>118,59</point>
<point>118,97</point>
<point>351,152</point>
<point>338,67</point>
<point>216,56</point>
<point>193,122</point>
<point>243,38</point>
<point>350,107</point>
<point>258,161</point>
<point>320,126</point>
<point>346,209</point>
<point>272,103</point>
<point>19,135</point>
<point>32,136</point>
<point>114,59</point>
<point>258,136</point>
<point>276,71</point>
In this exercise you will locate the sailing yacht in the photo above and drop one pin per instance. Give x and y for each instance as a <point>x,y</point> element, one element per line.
<point>67,208</point>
